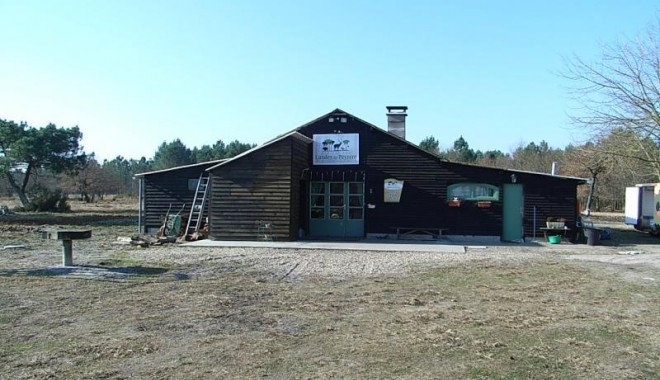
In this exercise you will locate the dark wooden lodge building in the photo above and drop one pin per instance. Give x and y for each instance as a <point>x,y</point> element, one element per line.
<point>339,177</point>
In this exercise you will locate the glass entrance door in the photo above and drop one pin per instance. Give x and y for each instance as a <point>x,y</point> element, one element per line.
<point>336,209</point>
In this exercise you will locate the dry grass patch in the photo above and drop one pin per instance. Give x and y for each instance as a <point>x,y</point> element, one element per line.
<point>113,211</point>
<point>181,313</point>
<point>540,321</point>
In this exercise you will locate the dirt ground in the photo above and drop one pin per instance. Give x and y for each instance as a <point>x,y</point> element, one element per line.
<point>511,311</point>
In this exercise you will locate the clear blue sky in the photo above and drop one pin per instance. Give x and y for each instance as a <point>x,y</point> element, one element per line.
<point>134,73</point>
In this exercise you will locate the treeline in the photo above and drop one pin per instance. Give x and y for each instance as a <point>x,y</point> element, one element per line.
<point>48,163</point>
<point>619,109</point>
<point>116,176</point>
<point>38,161</point>
<point>605,162</point>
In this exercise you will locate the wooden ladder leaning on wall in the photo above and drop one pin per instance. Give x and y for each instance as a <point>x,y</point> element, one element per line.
<point>197,209</point>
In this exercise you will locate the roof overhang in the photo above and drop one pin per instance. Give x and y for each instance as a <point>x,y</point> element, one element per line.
<point>293,134</point>
<point>214,162</point>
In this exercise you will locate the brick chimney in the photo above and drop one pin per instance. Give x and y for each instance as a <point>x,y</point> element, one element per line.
<point>396,120</point>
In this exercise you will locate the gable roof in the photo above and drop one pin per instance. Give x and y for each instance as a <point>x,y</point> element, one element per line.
<point>293,134</point>
<point>437,157</point>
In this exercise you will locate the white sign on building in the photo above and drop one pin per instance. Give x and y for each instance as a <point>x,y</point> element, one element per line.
<point>393,189</point>
<point>337,149</point>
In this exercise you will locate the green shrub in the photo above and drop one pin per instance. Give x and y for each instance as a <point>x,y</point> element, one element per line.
<point>44,199</point>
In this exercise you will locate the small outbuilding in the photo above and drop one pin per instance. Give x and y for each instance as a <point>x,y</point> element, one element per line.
<point>169,191</point>
<point>340,177</point>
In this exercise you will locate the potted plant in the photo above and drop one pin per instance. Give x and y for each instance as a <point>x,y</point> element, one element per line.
<point>455,202</point>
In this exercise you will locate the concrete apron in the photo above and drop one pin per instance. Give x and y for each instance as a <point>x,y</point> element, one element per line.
<point>333,245</point>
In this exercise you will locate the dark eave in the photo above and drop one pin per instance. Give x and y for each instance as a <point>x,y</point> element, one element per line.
<point>214,162</point>
<point>293,134</point>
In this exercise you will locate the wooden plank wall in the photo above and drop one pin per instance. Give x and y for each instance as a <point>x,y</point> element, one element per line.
<point>168,188</point>
<point>300,165</point>
<point>259,186</point>
<point>550,198</point>
<point>423,202</point>
<point>271,184</point>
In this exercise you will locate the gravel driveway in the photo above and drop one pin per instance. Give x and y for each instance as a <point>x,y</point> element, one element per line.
<point>628,251</point>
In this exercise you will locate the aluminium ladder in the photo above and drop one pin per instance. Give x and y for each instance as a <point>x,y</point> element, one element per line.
<point>197,208</point>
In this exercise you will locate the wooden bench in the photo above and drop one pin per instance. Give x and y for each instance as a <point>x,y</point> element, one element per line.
<point>67,237</point>
<point>436,232</point>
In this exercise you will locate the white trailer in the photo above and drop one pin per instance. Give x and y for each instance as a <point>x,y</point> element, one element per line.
<point>643,207</point>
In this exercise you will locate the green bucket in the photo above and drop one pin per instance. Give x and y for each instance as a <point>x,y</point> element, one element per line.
<point>554,239</point>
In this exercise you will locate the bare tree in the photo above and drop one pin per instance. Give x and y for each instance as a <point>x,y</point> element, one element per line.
<point>621,94</point>
<point>610,174</point>
<point>595,163</point>
<point>91,180</point>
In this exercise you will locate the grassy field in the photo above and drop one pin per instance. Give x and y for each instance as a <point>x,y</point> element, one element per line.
<point>550,318</point>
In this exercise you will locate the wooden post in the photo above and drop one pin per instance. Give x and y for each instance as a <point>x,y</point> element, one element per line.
<point>67,253</point>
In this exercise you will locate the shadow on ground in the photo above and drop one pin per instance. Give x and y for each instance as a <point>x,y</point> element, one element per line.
<point>95,272</point>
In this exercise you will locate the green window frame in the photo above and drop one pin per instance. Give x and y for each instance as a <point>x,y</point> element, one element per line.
<point>356,200</point>
<point>317,200</point>
<point>470,191</point>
